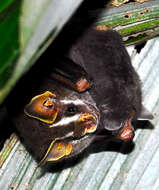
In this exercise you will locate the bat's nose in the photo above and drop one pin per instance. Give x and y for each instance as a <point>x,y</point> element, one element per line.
<point>86,123</point>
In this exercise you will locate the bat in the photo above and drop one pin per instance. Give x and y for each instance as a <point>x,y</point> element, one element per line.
<point>56,122</point>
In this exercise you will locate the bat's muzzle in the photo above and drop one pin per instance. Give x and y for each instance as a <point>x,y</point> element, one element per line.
<point>86,123</point>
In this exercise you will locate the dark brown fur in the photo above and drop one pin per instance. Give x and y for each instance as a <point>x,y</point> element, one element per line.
<point>116,89</point>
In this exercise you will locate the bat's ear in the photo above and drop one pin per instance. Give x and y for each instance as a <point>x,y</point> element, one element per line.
<point>43,107</point>
<point>145,114</point>
<point>56,151</point>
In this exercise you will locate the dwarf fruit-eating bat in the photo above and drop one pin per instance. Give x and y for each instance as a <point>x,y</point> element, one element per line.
<point>57,122</point>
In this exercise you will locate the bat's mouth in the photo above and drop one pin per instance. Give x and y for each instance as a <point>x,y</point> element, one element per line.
<point>86,123</point>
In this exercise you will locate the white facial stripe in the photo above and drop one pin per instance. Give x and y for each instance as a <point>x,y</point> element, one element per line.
<point>66,121</point>
<point>70,134</point>
<point>75,102</point>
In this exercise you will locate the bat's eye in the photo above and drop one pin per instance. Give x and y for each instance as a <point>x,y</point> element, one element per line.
<point>43,107</point>
<point>72,109</point>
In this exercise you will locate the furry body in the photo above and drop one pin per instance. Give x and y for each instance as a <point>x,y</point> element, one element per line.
<point>115,90</point>
<point>116,86</point>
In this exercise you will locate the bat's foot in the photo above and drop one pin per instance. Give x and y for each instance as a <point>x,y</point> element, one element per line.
<point>127,132</point>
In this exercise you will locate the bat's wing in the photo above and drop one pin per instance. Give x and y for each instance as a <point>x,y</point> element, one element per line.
<point>71,74</point>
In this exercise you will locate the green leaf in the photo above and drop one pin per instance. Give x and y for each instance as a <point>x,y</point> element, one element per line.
<point>26,29</point>
<point>135,21</point>
<point>9,38</point>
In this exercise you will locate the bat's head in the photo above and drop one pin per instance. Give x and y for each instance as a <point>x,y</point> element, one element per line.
<point>64,119</point>
<point>55,112</point>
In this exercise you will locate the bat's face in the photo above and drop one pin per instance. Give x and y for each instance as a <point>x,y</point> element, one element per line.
<point>64,125</point>
<point>82,117</point>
